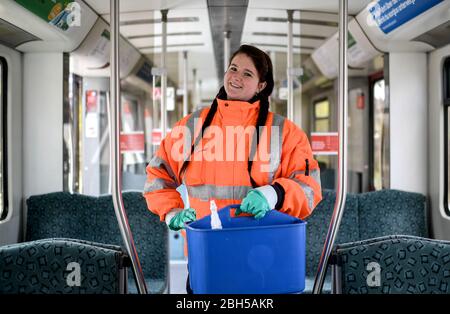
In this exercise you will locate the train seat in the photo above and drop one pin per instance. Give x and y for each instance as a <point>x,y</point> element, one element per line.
<point>59,265</point>
<point>316,230</point>
<point>62,214</point>
<point>395,264</point>
<point>366,215</point>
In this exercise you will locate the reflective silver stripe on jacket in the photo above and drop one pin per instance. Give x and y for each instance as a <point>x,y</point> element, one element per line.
<point>309,193</point>
<point>207,191</point>
<point>158,162</point>
<point>315,174</point>
<point>296,172</point>
<point>191,125</point>
<point>158,184</point>
<point>253,144</point>
<point>276,141</point>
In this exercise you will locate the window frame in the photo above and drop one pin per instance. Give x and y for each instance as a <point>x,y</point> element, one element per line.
<point>446,104</point>
<point>4,137</point>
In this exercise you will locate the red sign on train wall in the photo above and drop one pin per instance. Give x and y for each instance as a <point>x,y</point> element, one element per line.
<point>91,101</point>
<point>156,136</point>
<point>360,101</point>
<point>132,142</point>
<point>325,143</point>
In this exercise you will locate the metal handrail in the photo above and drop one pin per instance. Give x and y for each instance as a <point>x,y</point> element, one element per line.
<point>185,83</point>
<point>341,191</point>
<point>164,73</point>
<point>290,65</point>
<point>116,167</point>
<point>226,49</point>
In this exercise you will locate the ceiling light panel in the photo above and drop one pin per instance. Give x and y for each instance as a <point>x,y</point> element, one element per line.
<point>102,6</point>
<point>332,6</point>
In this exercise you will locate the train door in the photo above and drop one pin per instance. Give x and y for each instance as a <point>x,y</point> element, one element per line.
<point>378,133</point>
<point>10,145</point>
<point>446,105</point>
<point>438,142</point>
<point>358,133</point>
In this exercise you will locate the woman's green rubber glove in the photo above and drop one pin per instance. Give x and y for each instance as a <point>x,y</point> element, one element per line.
<point>254,203</point>
<point>259,201</point>
<point>181,217</point>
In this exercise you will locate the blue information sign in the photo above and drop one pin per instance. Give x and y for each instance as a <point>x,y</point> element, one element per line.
<point>390,14</point>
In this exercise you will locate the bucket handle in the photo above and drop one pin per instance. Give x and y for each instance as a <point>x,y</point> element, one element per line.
<point>236,206</point>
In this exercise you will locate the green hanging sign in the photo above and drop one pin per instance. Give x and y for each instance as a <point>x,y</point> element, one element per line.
<point>351,40</point>
<point>61,13</point>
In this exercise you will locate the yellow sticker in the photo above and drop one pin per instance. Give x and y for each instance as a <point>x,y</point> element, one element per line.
<point>55,11</point>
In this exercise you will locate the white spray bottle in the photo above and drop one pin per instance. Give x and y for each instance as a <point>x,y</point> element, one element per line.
<point>215,219</point>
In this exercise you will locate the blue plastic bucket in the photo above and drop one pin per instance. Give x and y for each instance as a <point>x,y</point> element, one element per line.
<point>247,255</point>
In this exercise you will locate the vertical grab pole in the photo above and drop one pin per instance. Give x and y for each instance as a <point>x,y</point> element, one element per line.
<point>116,166</point>
<point>194,89</point>
<point>185,84</point>
<point>164,73</point>
<point>226,49</point>
<point>290,65</point>
<point>342,156</point>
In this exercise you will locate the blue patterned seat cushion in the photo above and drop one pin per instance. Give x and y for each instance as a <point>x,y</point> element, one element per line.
<point>42,266</point>
<point>62,214</point>
<point>407,264</point>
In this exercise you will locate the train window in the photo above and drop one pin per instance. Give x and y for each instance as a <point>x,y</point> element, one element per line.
<point>72,129</point>
<point>322,115</point>
<point>321,122</point>
<point>3,137</point>
<point>379,130</point>
<point>446,94</point>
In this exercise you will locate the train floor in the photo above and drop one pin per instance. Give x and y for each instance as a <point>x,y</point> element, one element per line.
<point>178,276</point>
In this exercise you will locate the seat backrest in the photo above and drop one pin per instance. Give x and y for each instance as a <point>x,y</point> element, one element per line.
<point>66,266</point>
<point>327,178</point>
<point>387,212</point>
<point>393,264</point>
<point>62,214</point>
<point>367,215</point>
<point>319,221</point>
<point>132,181</point>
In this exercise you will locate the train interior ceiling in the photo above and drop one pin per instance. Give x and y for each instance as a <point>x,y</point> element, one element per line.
<point>55,82</point>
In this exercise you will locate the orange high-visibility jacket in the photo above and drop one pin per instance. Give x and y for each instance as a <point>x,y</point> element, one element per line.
<point>219,172</point>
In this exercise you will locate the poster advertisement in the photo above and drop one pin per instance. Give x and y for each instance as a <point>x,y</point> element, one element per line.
<point>63,14</point>
<point>390,14</point>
